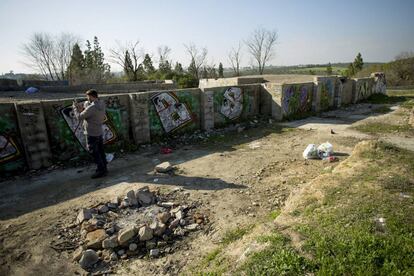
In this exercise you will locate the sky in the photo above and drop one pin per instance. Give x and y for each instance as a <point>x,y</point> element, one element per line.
<point>310,32</point>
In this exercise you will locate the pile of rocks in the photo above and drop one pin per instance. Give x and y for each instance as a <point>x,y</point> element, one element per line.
<point>139,224</point>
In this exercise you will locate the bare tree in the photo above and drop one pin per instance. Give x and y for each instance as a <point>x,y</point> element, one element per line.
<point>198,58</point>
<point>63,51</point>
<point>260,45</point>
<point>234,57</point>
<point>163,53</point>
<point>50,55</point>
<point>129,57</point>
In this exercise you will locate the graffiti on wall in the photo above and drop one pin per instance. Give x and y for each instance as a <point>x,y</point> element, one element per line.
<point>172,113</point>
<point>232,105</point>
<point>68,114</point>
<point>380,83</point>
<point>363,90</point>
<point>297,98</point>
<point>327,93</point>
<point>8,149</point>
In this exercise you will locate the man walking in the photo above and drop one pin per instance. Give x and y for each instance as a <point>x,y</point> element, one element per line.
<point>93,115</point>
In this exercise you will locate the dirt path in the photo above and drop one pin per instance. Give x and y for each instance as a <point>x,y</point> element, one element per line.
<point>239,179</point>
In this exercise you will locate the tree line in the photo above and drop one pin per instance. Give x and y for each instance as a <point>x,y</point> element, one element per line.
<point>62,58</point>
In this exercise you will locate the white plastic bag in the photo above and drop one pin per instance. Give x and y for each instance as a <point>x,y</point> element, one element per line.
<point>311,152</point>
<point>109,157</point>
<point>325,150</point>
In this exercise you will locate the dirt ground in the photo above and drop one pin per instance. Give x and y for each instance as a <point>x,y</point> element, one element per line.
<point>239,179</point>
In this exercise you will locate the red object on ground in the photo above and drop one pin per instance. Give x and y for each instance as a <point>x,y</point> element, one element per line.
<point>332,158</point>
<point>166,150</point>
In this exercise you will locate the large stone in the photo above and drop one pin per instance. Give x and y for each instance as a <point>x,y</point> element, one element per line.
<point>163,167</point>
<point>126,234</point>
<point>94,239</point>
<point>111,242</point>
<point>144,196</point>
<point>131,198</point>
<point>145,233</point>
<point>83,215</point>
<point>88,259</point>
<point>163,217</point>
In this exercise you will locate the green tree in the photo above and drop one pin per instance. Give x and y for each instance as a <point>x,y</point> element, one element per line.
<point>165,69</point>
<point>192,69</point>
<point>358,63</point>
<point>96,70</point>
<point>148,66</point>
<point>128,67</point>
<point>350,71</point>
<point>220,71</point>
<point>76,66</point>
<point>329,69</point>
<point>178,69</point>
<point>204,73</point>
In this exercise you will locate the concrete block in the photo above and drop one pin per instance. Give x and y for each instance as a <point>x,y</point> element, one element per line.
<point>139,117</point>
<point>32,123</point>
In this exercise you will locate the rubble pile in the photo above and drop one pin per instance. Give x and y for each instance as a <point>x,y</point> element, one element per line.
<point>143,223</point>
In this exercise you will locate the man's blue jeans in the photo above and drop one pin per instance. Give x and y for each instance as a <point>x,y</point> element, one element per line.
<point>96,149</point>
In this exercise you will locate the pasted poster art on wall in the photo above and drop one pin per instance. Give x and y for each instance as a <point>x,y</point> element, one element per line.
<point>68,114</point>
<point>172,113</point>
<point>8,149</point>
<point>232,105</point>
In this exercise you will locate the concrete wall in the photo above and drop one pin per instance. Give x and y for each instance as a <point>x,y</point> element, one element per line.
<point>12,157</point>
<point>347,88</point>
<point>380,83</point>
<point>38,133</point>
<point>174,112</point>
<point>363,89</point>
<point>324,93</point>
<point>209,83</point>
<point>230,104</point>
<point>115,88</point>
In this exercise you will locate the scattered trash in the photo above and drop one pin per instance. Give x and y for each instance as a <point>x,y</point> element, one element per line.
<point>331,159</point>
<point>311,152</point>
<point>155,179</point>
<point>31,90</point>
<point>254,145</point>
<point>323,151</point>
<point>166,150</point>
<point>109,157</point>
<point>332,131</point>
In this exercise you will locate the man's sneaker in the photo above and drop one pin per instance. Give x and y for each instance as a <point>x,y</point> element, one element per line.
<point>99,174</point>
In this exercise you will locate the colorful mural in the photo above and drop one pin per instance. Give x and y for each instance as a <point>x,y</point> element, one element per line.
<point>296,98</point>
<point>232,105</point>
<point>172,113</point>
<point>68,114</point>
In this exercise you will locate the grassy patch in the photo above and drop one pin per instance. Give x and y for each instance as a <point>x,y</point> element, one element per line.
<point>408,104</point>
<point>235,234</point>
<point>361,226</point>
<point>277,259</point>
<point>381,109</point>
<point>384,99</point>
<point>375,128</point>
<point>274,214</point>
